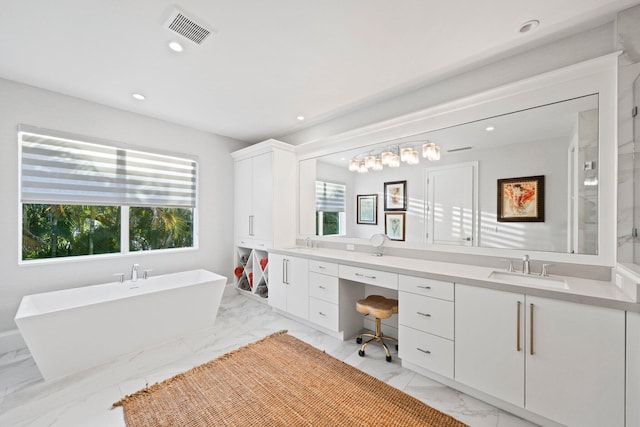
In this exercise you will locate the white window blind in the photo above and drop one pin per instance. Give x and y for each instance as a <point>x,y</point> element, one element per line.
<point>57,170</point>
<point>330,197</point>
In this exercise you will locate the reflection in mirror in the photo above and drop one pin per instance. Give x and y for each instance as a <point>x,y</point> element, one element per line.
<point>454,200</point>
<point>377,240</point>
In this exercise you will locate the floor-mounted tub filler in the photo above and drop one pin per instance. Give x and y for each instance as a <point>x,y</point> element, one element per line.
<point>75,329</point>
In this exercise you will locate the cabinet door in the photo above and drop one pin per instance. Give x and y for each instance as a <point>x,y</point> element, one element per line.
<point>262,186</point>
<point>488,355</point>
<point>575,375</point>
<point>298,287</point>
<point>277,287</point>
<point>243,178</point>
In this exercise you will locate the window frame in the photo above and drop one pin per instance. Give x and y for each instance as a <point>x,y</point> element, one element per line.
<point>124,209</point>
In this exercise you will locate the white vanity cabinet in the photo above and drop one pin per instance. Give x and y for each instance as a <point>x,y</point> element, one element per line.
<point>426,324</point>
<point>288,285</point>
<point>331,303</point>
<point>561,360</point>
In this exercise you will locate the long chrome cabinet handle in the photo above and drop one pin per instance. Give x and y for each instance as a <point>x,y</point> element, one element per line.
<point>518,348</point>
<point>423,314</point>
<point>423,287</point>
<point>424,351</point>
<point>250,225</point>
<point>362,275</point>
<point>284,271</point>
<point>531,330</point>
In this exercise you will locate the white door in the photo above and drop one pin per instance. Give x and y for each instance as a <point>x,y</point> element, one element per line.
<point>243,181</point>
<point>490,342</point>
<point>451,213</point>
<point>575,375</point>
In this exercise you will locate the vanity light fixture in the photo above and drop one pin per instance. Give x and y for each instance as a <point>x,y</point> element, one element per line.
<point>354,165</point>
<point>431,151</point>
<point>413,158</point>
<point>362,168</point>
<point>138,96</point>
<point>386,157</point>
<point>394,161</point>
<point>405,153</point>
<point>370,161</point>
<point>378,165</point>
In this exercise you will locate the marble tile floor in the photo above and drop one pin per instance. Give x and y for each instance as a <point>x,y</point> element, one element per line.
<point>85,399</point>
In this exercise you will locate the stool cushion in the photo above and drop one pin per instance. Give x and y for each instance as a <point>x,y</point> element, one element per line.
<point>377,306</point>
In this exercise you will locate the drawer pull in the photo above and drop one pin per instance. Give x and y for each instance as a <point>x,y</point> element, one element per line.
<point>423,314</point>
<point>322,314</point>
<point>322,267</point>
<point>321,287</point>
<point>424,351</point>
<point>362,275</point>
<point>424,287</point>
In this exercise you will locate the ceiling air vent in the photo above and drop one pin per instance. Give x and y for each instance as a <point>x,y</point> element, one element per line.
<point>187,27</point>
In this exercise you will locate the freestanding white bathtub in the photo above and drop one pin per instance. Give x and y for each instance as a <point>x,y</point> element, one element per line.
<point>74,329</point>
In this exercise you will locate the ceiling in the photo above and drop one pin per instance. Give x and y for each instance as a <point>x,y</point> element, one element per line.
<point>267,61</point>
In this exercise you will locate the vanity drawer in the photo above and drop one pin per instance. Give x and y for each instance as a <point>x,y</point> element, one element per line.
<point>324,314</point>
<point>428,287</point>
<point>323,267</point>
<point>324,287</point>
<point>383,279</point>
<point>425,350</point>
<point>426,314</point>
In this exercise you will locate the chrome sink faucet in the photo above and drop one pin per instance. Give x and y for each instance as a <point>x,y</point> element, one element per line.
<point>135,271</point>
<point>525,265</point>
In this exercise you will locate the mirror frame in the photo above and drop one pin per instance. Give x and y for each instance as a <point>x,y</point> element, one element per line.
<point>597,75</point>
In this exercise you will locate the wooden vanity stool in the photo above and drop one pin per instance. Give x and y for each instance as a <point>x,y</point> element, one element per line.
<point>380,308</point>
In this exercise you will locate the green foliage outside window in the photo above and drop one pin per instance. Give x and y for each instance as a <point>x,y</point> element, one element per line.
<point>160,228</point>
<point>330,223</point>
<point>53,231</point>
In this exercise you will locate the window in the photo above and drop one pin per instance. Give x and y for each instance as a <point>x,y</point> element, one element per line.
<point>84,198</point>
<point>330,208</point>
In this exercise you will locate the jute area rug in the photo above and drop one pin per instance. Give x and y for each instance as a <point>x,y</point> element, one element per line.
<point>277,381</point>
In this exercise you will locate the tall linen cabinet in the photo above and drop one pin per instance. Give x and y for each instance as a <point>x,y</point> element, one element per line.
<point>264,210</point>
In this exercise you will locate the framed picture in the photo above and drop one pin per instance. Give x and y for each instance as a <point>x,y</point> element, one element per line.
<point>395,196</point>
<point>367,209</point>
<point>521,199</point>
<point>394,225</point>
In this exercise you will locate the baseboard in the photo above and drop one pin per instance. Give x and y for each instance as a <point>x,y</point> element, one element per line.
<point>11,341</point>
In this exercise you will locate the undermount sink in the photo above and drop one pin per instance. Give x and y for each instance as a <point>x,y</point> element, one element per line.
<point>529,280</point>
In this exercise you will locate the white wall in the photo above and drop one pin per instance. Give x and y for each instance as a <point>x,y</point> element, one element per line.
<point>21,104</point>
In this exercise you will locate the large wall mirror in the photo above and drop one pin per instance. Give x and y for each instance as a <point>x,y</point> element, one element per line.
<point>532,173</point>
<point>454,200</point>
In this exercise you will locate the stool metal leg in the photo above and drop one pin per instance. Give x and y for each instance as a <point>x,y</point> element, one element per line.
<point>378,337</point>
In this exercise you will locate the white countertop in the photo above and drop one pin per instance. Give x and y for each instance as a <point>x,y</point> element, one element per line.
<point>579,290</point>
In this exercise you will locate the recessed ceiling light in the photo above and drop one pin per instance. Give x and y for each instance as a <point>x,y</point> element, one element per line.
<point>301,118</point>
<point>528,26</point>
<point>175,46</point>
<point>489,128</point>
<point>138,96</point>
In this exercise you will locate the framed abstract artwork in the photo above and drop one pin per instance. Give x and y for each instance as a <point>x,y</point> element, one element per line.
<point>394,225</point>
<point>521,199</point>
<point>395,196</point>
<point>367,208</point>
